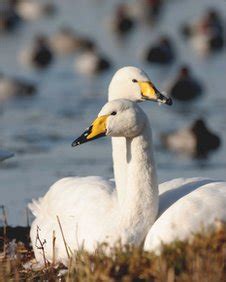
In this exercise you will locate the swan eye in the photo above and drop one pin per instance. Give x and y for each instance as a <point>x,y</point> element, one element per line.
<point>113,113</point>
<point>134,80</point>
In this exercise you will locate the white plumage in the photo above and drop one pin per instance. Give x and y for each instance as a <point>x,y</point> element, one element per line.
<point>84,201</point>
<point>92,211</point>
<point>187,206</point>
<point>88,207</point>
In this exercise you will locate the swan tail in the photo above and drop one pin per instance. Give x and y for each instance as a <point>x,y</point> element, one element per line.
<point>35,207</point>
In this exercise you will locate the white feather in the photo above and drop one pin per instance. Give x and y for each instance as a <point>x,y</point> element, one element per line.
<point>91,211</point>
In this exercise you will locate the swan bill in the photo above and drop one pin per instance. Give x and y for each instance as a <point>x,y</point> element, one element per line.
<point>96,130</point>
<point>151,93</point>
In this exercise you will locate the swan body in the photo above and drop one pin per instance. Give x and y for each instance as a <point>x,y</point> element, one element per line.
<point>80,226</point>
<point>103,219</point>
<point>187,206</point>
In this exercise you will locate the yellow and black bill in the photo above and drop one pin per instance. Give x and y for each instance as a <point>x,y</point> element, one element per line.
<point>96,130</point>
<point>151,93</point>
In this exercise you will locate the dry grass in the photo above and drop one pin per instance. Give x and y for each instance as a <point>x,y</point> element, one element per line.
<point>202,260</point>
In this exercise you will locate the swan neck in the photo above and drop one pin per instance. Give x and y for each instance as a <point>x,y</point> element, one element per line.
<point>140,204</point>
<point>119,166</point>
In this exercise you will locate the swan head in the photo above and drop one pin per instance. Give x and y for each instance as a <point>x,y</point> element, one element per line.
<point>117,118</point>
<point>134,84</point>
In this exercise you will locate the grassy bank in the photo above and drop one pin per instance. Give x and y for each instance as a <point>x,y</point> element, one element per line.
<point>203,259</point>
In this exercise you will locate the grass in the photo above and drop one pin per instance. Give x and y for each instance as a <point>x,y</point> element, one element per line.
<point>203,259</point>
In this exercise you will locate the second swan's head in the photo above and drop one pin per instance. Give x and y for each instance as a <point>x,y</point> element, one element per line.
<point>120,117</point>
<point>134,84</point>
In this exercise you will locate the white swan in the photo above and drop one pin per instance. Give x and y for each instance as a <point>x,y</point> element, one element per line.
<point>171,193</point>
<point>128,82</point>
<point>133,84</point>
<point>187,206</point>
<point>88,207</point>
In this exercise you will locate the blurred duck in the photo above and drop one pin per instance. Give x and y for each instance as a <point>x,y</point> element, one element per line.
<point>207,35</point>
<point>196,141</point>
<point>66,41</point>
<point>144,10</point>
<point>5,155</point>
<point>9,19</point>
<point>185,87</point>
<point>32,9</point>
<point>160,53</point>
<point>153,8</point>
<point>11,87</point>
<point>91,62</point>
<point>123,22</point>
<point>39,55</point>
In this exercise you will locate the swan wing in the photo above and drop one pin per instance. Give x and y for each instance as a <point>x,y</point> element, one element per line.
<point>183,216</point>
<point>171,191</point>
<point>84,206</point>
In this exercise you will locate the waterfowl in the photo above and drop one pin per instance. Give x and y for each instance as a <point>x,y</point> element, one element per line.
<point>97,188</point>
<point>196,141</point>
<point>39,55</point>
<point>133,84</point>
<point>9,19</point>
<point>69,196</point>
<point>123,22</point>
<point>31,10</point>
<point>161,53</point>
<point>106,221</point>
<point>5,155</point>
<point>185,87</point>
<point>66,41</point>
<point>91,61</point>
<point>87,211</point>
<point>206,35</point>
<point>154,8</point>
<point>187,207</point>
<point>14,87</point>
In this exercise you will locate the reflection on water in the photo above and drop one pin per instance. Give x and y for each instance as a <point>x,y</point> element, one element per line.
<point>40,129</point>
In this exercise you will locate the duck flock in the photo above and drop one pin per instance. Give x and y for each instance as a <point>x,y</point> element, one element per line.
<point>90,60</point>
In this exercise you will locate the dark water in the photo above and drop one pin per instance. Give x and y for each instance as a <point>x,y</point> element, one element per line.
<point>40,129</point>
